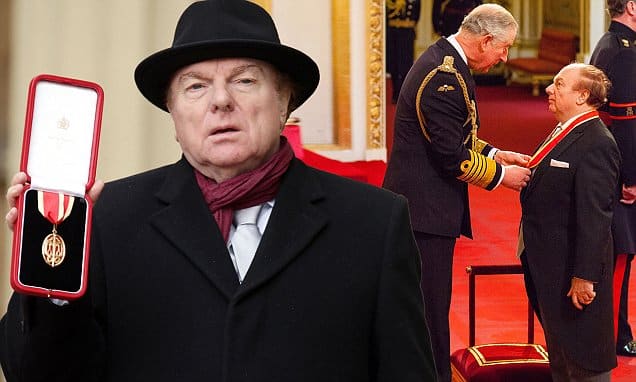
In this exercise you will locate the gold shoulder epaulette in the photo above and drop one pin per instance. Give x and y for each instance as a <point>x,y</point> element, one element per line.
<point>448,64</point>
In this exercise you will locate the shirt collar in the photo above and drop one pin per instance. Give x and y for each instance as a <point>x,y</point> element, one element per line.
<point>567,123</point>
<point>453,41</point>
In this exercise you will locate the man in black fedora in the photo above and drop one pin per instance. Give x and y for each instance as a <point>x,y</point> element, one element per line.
<point>322,284</point>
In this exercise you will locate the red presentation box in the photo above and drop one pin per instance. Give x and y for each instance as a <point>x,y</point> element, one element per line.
<point>51,239</point>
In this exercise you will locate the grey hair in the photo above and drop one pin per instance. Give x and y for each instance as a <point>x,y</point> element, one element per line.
<point>594,80</point>
<point>490,19</point>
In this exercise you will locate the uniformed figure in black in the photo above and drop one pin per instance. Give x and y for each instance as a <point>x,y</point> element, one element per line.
<point>615,54</point>
<point>402,17</point>
<point>449,14</point>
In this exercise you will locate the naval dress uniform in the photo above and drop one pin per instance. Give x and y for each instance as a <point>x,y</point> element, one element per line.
<point>615,54</point>
<point>435,155</point>
<point>402,17</point>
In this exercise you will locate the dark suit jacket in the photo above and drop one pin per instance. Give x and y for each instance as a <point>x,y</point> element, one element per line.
<point>566,217</point>
<point>332,295</point>
<point>426,171</point>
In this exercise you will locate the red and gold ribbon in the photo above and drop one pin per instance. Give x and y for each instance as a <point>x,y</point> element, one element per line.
<point>551,143</point>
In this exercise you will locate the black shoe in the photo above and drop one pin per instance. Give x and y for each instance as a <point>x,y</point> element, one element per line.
<point>628,350</point>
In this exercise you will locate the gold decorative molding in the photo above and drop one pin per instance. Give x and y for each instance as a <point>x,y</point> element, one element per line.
<point>341,63</point>
<point>266,4</point>
<point>584,30</point>
<point>375,74</point>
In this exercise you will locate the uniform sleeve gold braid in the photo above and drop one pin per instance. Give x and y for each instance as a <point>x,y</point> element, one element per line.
<point>478,170</point>
<point>398,23</point>
<point>480,145</point>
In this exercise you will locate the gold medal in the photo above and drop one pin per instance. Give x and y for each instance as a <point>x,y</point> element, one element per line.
<point>53,249</point>
<point>55,207</point>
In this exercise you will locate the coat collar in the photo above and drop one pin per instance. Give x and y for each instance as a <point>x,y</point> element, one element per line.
<point>461,65</point>
<point>188,224</point>
<point>623,30</point>
<point>295,221</point>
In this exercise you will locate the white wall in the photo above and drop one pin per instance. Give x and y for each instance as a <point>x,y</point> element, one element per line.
<point>313,18</point>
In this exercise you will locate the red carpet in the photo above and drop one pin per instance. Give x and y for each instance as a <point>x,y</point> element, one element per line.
<point>500,300</point>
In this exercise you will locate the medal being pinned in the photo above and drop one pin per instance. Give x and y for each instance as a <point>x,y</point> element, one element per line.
<point>55,207</point>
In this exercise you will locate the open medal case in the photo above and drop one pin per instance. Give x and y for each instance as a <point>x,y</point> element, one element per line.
<point>51,238</point>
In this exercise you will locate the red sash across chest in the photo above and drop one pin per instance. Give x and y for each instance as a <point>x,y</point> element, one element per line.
<point>544,150</point>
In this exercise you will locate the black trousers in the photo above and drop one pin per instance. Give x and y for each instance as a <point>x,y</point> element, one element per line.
<point>400,53</point>
<point>437,276</point>
<point>561,367</point>
<point>624,329</point>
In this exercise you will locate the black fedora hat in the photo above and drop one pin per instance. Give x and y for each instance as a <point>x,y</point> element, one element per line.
<point>223,29</point>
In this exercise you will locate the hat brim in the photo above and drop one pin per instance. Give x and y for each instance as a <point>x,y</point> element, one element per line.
<point>153,74</point>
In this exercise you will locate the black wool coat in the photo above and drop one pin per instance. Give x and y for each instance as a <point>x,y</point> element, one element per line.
<point>332,294</point>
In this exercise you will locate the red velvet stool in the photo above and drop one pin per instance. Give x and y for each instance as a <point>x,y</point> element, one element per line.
<point>500,362</point>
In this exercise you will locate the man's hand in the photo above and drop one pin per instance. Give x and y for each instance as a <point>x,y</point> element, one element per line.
<point>508,158</point>
<point>629,194</point>
<point>516,177</point>
<point>13,192</point>
<point>581,292</point>
<point>96,190</point>
<point>17,187</point>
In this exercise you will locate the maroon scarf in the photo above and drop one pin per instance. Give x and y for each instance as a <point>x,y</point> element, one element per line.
<point>245,190</point>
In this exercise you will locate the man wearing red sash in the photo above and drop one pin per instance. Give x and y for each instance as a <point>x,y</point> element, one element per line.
<point>565,236</point>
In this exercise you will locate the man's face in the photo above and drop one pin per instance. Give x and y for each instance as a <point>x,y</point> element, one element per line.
<point>228,114</point>
<point>493,51</point>
<point>563,101</point>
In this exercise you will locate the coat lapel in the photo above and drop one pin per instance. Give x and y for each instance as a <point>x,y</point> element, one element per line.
<point>188,224</point>
<point>293,224</point>
<point>554,154</point>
